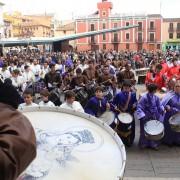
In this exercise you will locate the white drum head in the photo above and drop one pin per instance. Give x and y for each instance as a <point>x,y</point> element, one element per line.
<point>107,117</point>
<point>154,127</point>
<point>72,145</point>
<point>174,122</point>
<point>175,119</point>
<point>125,118</point>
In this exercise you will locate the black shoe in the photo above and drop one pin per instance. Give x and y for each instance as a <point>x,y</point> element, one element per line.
<point>156,148</point>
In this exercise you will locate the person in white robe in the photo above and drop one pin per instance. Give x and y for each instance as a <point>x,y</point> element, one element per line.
<point>45,99</point>
<point>28,100</point>
<point>70,102</point>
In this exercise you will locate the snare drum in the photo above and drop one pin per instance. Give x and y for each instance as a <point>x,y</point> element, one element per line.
<point>125,123</point>
<point>174,122</point>
<point>107,117</point>
<point>81,96</point>
<point>73,145</point>
<point>154,130</point>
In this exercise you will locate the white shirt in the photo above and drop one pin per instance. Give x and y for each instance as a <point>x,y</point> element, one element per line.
<point>36,69</point>
<point>82,67</point>
<point>44,71</point>
<point>49,103</point>
<point>6,74</point>
<point>28,76</point>
<point>17,81</point>
<point>74,106</point>
<point>11,68</point>
<point>22,105</point>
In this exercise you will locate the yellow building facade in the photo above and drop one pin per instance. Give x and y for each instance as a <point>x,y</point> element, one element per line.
<point>24,26</point>
<point>171,33</point>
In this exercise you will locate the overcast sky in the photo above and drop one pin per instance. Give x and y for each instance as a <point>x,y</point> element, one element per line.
<point>68,8</point>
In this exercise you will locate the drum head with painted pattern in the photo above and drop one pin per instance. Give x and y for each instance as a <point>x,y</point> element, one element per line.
<point>72,145</point>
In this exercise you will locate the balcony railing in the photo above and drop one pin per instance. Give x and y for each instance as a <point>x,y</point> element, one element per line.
<point>178,29</point>
<point>115,40</point>
<point>127,40</point>
<point>170,29</point>
<point>89,29</point>
<point>151,40</point>
<point>139,40</point>
<point>139,29</point>
<point>92,41</point>
<point>151,29</point>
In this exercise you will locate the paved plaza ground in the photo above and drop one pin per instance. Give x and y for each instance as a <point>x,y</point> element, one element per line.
<point>149,164</point>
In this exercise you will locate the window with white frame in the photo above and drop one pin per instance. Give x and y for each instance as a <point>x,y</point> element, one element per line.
<point>103,13</point>
<point>115,25</point>
<point>104,36</point>
<point>151,37</point>
<point>104,25</point>
<point>127,36</point>
<point>140,26</point>
<point>127,23</point>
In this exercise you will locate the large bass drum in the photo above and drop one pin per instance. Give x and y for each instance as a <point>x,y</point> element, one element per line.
<point>73,146</point>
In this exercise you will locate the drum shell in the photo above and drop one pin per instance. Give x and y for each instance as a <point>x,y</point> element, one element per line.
<point>154,137</point>
<point>81,95</point>
<point>174,126</point>
<point>124,127</point>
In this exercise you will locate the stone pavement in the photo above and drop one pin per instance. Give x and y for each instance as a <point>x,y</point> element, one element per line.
<point>149,164</point>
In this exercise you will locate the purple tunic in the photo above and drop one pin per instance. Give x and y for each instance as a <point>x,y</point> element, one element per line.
<point>95,106</point>
<point>120,101</point>
<point>171,137</point>
<point>148,108</point>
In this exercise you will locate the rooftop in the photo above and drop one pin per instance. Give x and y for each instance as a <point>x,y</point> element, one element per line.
<point>123,15</point>
<point>66,27</point>
<point>171,19</point>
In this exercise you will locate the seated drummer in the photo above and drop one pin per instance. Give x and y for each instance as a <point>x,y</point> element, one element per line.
<point>28,99</point>
<point>125,101</point>
<point>97,105</point>
<point>148,108</point>
<point>70,102</point>
<point>45,99</point>
<point>171,102</point>
<point>79,79</point>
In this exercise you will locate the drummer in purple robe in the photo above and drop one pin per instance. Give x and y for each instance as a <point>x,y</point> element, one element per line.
<point>97,105</point>
<point>125,102</point>
<point>148,108</point>
<point>171,103</point>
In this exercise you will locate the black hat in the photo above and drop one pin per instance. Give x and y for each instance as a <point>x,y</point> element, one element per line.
<point>9,95</point>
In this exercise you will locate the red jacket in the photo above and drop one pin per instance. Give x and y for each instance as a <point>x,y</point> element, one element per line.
<point>158,79</point>
<point>173,71</point>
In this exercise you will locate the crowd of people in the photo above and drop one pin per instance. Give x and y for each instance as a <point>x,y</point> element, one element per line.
<point>93,82</point>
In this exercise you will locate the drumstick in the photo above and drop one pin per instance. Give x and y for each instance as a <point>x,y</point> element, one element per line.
<point>115,107</point>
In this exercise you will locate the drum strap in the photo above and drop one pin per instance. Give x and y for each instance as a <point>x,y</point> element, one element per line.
<point>127,102</point>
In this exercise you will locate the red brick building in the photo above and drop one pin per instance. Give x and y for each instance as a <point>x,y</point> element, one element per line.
<point>146,36</point>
